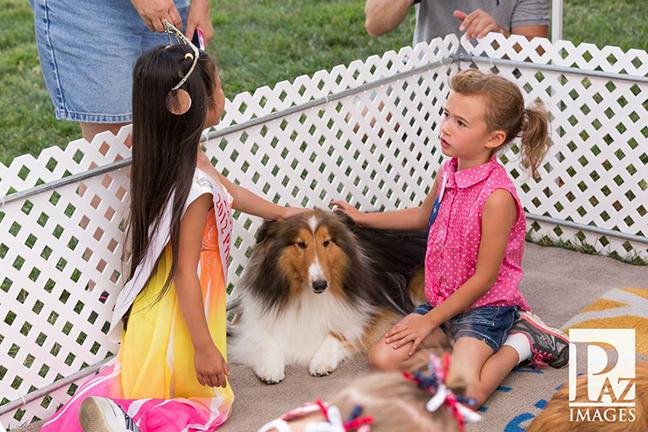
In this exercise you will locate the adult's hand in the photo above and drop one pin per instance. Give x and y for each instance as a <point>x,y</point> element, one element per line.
<point>477,24</point>
<point>153,12</point>
<point>199,17</point>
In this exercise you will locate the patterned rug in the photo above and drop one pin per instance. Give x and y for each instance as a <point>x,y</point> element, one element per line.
<point>622,308</point>
<point>525,393</point>
<point>576,280</point>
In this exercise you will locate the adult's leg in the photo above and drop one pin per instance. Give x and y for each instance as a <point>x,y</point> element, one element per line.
<point>89,130</point>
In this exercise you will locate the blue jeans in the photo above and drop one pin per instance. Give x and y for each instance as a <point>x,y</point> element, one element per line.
<point>489,323</point>
<point>87,52</point>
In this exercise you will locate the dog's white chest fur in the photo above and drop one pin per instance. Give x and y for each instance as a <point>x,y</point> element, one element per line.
<point>318,330</point>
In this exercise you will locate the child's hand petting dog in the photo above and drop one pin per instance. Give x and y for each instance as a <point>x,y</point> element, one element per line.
<point>211,367</point>
<point>349,210</point>
<point>293,211</point>
<point>413,328</point>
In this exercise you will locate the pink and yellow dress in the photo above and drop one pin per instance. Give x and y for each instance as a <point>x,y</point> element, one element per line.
<point>152,377</point>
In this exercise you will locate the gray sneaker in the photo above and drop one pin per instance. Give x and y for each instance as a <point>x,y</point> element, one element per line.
<point>98,414</point>
<point>549,346</point>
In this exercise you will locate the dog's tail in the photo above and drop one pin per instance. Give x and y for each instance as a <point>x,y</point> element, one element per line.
<point>401,292</point>
<point>394,294</point>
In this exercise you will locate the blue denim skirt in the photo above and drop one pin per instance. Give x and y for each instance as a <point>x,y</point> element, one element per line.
<point>489,323</point>
<point>87,52</point>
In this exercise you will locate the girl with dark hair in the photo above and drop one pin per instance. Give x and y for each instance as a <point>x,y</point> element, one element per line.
<point>170,373</point>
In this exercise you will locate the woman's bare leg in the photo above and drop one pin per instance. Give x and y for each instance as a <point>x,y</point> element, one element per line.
<point>89,130</point>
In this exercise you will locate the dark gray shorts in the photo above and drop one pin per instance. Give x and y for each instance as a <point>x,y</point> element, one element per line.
<point>489,323</point>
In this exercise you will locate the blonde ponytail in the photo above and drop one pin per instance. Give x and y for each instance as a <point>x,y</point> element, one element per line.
<point>534,137</point>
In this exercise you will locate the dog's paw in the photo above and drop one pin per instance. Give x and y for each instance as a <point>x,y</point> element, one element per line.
<point>270,374</point>
<point>322,366</point>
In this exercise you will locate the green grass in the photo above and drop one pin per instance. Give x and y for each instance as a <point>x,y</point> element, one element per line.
<point>259,43</point>
<point>623,23</point>
<point>27,122</point>
<point>585,248</point>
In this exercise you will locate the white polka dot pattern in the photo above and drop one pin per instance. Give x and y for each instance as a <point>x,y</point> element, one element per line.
<point>453,242</point>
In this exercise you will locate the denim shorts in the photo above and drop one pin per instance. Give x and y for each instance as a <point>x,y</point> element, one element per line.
<point>489,323</point>
<point>87,52</point>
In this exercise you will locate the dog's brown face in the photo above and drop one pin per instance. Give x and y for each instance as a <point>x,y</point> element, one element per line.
<point>309,251</point>
<point>313,259</point>
<point>326,252</point>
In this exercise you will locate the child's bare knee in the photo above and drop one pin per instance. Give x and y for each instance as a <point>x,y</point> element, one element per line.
<point>381,360</point>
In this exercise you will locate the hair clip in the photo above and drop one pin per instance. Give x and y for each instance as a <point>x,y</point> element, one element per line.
<point>435,385</point>
<point>178,100</point>
<point>355,422</point>
<point>333,421</point>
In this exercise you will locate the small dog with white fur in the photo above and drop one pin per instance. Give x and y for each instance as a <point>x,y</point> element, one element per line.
<point>318,289</point>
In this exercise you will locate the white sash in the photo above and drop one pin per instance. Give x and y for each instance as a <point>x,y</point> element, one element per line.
<point>202,184</point>
<point>224,223</point>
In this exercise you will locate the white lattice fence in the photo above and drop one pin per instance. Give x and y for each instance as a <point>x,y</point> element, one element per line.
<point>60,258</point>
<point>597,170</point>
<point>54,323</point>
<point>375,148</point>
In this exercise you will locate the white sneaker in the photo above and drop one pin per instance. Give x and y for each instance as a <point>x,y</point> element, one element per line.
<point>98,414</point>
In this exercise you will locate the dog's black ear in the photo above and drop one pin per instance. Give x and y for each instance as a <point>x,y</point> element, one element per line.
<point>266,231</point>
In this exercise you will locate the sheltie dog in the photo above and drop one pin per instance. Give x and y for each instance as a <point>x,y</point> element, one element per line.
<point>318,288</point>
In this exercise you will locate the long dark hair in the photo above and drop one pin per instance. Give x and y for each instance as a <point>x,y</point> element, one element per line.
<point>165,146</point>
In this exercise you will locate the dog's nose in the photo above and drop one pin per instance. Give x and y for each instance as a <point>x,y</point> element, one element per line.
<point>319,286</point>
